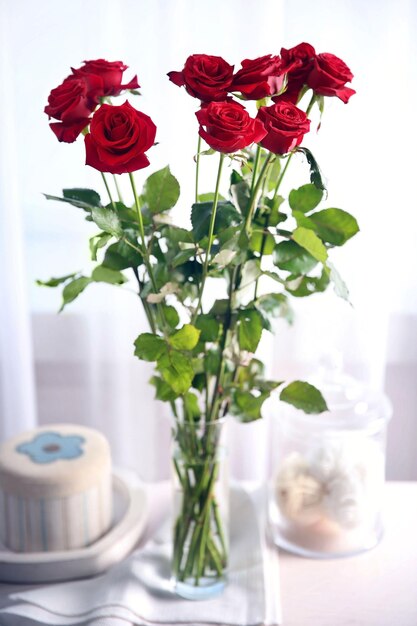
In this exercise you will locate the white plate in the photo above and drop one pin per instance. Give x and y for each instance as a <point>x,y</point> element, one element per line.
<point>130,512</point>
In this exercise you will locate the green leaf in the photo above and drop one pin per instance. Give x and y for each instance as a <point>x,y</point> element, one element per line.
<point>334,225</point>
<point>107,220</point>
<point>303,220</point>
<point>315,174</point>
<point>171,315</point>
<point>225,256</point>
<point>220,307</point>
<point>209,197</point>
<point>162,390</point>
<point>103,274</point>
<point>226,215</point>
<point>274,172</point>
<point>161,191</point>
<point>339,284</point>
<point>121,256</point>
<point>150,347</point>
<point>54,282</point>
<point>73,289</point>
<point>304,396</point>
<point>176,370</point>
<point>176,235</point>
<point>246,406</point>
<point>274,276</point>
<point>125,213</point>
<point>275,305</point>
<point>199,381</point>
<point>257,239</point>
<point>305,198</point>
<point>211,361</point>
<point>275,216</point>
<point>186,338</point>
<point>76,203</point>
<point>97,242</point>
<point>183,256</point>
<point>291,257</point>
<point>191,405</point>
<point>250,272</point>
<point>85,196</point>
<point>241,195</point>
<point>307,285</point>
<point>208,326</point>
<point>309,240</point>
<point>249,329</point>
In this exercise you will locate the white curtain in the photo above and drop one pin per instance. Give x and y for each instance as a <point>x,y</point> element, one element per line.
<point>85,371</point>
<point>17,388</point>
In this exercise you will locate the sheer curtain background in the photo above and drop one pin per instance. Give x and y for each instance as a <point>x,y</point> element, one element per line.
<point>78,366</point>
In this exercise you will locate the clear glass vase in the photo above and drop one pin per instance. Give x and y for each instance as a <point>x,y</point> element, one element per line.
<point>201,515</point>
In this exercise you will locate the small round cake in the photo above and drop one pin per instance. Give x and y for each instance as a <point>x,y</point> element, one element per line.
<point>55,489</point>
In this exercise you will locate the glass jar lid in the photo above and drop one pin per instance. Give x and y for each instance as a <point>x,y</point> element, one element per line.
<point>352,405</point>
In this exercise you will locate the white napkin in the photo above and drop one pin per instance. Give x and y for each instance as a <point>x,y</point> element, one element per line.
<point>137,591</point>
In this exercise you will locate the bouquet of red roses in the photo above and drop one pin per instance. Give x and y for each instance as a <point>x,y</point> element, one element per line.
<point>205,352</point>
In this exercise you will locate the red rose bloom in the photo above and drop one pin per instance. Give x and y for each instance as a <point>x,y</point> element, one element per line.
<point>111,74</point>
<point>118,138</point>
<point>329,77</point>
<point>299,60</point>
<point>228,126</point>
<point>255,79</point>
<point>205,77</point>
<point>71,103</point>
<point>286,126</point>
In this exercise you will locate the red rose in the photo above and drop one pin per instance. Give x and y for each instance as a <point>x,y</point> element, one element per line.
<point>205,77</point>
<point>255,79</point>
<point>110,72</point>
<point>299,61</point>
<point>329,77</point>
<point>118,138</point>
<point>286,126</point>
<point>228,126</point>
<point>71,103</point>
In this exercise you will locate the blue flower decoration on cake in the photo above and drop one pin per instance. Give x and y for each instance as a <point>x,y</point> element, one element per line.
<point>48,447</point>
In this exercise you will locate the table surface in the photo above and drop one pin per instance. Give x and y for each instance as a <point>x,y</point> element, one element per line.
<point>377,588</point>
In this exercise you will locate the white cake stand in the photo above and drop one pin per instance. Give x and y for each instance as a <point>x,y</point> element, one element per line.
<point>130,513</point>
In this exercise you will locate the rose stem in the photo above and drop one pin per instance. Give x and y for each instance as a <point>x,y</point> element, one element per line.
<point>108,191</point>
<point>309,107</point>
<point>119,193</point>
<point>197,167</point>
<point>264,234</point>
<point>145,252</point>
<point>254,193</point>
<point>255,167</point>
<point>210,238</point>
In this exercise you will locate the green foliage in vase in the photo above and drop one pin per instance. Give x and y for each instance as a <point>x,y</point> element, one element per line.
<point>214,351</point>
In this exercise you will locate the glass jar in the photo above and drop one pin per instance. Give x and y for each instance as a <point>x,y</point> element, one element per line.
<point>326,490</point>
<point>201,510</point>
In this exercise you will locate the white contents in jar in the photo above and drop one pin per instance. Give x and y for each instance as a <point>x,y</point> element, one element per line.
<point>339,482</point>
